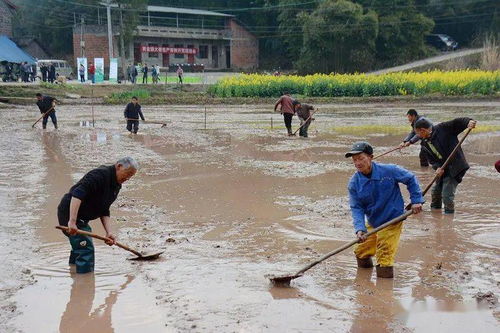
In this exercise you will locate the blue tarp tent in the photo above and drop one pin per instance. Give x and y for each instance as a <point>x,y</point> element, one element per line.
<point>10,52</point>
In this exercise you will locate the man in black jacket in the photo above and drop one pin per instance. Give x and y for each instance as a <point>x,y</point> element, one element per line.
<point>45,103</point>
<point>44,70</point>
<point>412,137</point>
<point>145,71</point>
<point>132,113</point>
<point>51,71</point>
<point>438,142</point>
<point>88,200</point>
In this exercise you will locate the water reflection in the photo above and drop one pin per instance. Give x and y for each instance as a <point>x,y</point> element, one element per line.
<point>78,316</point>
<point>99,137</point>
<point>376,305</point>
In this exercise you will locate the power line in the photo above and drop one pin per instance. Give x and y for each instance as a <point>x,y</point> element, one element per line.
<point>351,29</point>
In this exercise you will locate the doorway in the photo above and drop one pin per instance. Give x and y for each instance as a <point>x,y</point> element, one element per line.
<point>165,58</point>
<point>215,56</point>
<point>190,56</point>
<point>137,53</point>
<point>228,56</point>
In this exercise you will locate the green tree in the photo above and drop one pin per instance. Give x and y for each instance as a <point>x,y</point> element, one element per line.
<point>338,37</point>
<point>402,30</point>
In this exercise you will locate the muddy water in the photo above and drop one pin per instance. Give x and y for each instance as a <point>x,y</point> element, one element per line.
<point>231,200</point>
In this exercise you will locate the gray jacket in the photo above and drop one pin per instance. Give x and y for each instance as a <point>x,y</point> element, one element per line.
<point>412,137</point>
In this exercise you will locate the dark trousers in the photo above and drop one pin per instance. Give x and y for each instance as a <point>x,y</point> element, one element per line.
<point>82,78</point>
<point>82,248</point>
<point>45,119</point>
<point>443,192</point>
<point>44,77</point>
<point>133,126</point>
<point>423,158</point>
<point>145,78</point>
<point>288,122</point>
<point>305,127</point>
<point>180,79</point>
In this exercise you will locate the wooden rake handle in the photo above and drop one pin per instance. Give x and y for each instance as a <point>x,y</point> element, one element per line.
<point>308,118</point>
<point>348,245</point>
<point>86,233</point>
<point>387,152</point>
<point>448,160</point>
<point>164,123</point>
<point>43,115</point>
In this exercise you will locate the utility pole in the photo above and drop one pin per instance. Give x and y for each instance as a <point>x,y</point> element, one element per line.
<point>122,45</point>
<point>82,42</point>
<point>110,33</point>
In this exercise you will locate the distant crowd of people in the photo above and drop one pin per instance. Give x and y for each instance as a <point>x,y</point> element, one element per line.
<point>134,70</point>
<point>28,73</point>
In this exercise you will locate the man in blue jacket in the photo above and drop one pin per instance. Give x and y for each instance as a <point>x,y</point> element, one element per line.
<point>375,198</point>
<point>438,142</point>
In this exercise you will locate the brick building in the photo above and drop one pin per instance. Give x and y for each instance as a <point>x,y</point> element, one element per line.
<point>7,11</point>
<point>168,35</point>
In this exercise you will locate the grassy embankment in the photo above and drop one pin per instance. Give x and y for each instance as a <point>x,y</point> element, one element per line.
<point>263,89</point>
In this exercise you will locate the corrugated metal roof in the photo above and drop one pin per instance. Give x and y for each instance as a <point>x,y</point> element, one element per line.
<point>10,52</point>
<point>162,9</point>
<point>176,10</point>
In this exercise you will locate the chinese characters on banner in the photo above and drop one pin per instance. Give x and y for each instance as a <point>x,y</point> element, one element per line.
<point>174,50</point>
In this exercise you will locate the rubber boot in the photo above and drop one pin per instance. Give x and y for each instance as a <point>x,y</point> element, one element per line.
<point>385,272</point>
<point>436,202</point>
<point>72,258</point>
<point>449,207</point>
<point>365,262</point>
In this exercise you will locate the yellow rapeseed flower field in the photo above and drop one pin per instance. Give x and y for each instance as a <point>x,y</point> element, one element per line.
<point>464,82</point>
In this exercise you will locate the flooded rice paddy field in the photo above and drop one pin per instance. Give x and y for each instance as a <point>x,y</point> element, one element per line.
<point>230,202</point>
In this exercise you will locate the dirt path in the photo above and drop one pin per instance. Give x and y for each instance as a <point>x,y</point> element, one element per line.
<point>230,204</point>
<point>429,61</point>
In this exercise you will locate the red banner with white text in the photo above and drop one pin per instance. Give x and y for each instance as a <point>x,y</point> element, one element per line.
<point>173,50</point>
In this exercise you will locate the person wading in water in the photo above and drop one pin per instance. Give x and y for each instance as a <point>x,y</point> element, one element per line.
<point>287,110</point>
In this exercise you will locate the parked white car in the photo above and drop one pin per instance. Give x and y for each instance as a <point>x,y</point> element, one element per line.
<point>62,68</point>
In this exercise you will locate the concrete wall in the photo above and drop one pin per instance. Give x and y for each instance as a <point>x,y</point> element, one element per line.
<point>244,47</point>
<point>6,14</point>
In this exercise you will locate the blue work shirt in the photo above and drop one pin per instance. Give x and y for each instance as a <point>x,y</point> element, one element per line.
<point>378,197</point>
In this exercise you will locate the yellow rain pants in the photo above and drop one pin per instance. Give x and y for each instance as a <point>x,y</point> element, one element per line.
<point>383,245</point>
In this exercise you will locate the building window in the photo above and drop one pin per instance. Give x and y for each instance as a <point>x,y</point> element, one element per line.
<point>203,53</point>
<point>179,55</point>
<point>153,54</point>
